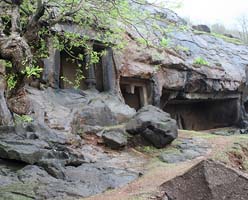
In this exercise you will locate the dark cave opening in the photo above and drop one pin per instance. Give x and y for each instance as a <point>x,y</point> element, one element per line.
<point>136,92</point>
<point>93,76</point>
<point>204,114</point>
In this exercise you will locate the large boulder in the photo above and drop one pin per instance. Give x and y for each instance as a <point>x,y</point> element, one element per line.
<point>96,112</point>
<point>207,180</point>
<point>156,126</point>
<point>71,110</point>
<point>121,111</point>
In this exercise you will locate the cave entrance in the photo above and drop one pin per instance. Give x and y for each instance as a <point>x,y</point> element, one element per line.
<point>93,74</point>
<point>204,114</point>
<point>136,92</point>
<point>68,70</point>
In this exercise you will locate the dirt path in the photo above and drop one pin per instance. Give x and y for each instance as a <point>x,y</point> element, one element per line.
<point>157,172</point>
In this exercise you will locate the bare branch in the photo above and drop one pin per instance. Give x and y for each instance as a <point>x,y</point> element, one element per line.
<point>38,13</point>
<point>15,18</point>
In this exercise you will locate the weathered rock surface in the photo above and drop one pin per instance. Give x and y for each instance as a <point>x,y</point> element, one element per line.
<point>115,139</point>
<point>32,182</point>
<point>227,60</point>
<point>188,149</point>
<point>41,163</point>
<point>96,112</point>
<point>70,110</point>
<point>36,144</point>
<point>207,180</point>
<point>154,125</point>
<point>178,77</point>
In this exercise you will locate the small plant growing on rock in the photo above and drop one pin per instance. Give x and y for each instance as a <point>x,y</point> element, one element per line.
<point>19,119</point>
<point>200,61</point>
<point>11,81</point>
<point>32,71</point>
<point>164,42</point>
<point>182,48</point>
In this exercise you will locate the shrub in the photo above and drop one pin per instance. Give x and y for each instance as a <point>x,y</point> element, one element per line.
<point>200,61</point>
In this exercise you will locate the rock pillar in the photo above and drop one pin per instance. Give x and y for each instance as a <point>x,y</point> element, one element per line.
<point>109,75</point>
<point>51,72</point>
<point>90,78</point>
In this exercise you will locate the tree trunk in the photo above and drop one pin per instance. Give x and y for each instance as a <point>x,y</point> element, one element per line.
<point>15,49</point>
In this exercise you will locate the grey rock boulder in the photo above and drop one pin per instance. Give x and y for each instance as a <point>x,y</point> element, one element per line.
<point>154,125</point>
<point>95,113</point>
<point>115,139</point>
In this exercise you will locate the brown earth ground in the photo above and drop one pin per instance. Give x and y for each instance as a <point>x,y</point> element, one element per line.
<point>231,150</point>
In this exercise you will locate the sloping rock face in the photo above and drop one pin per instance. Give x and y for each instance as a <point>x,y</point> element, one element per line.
<point>71,110</point>
<point>207,180</point>
<point>227,61</point>
<point>174,70</point>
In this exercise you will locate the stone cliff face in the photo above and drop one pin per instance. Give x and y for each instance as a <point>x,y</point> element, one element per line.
<point>200,80</point>
<point>177,77</point>
<point>192,75</point>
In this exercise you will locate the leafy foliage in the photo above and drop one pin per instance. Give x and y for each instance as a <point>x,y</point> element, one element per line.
<point>164,42</point>
<point>19,119</point>
<point>43,22</point>
<point>200,61</point>
<point>32,71</point>
<point>11,81</point>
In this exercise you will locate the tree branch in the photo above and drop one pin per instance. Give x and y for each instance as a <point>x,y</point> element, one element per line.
<point>69,13</point>
<point>39,11</point>
<point>15,18</point>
